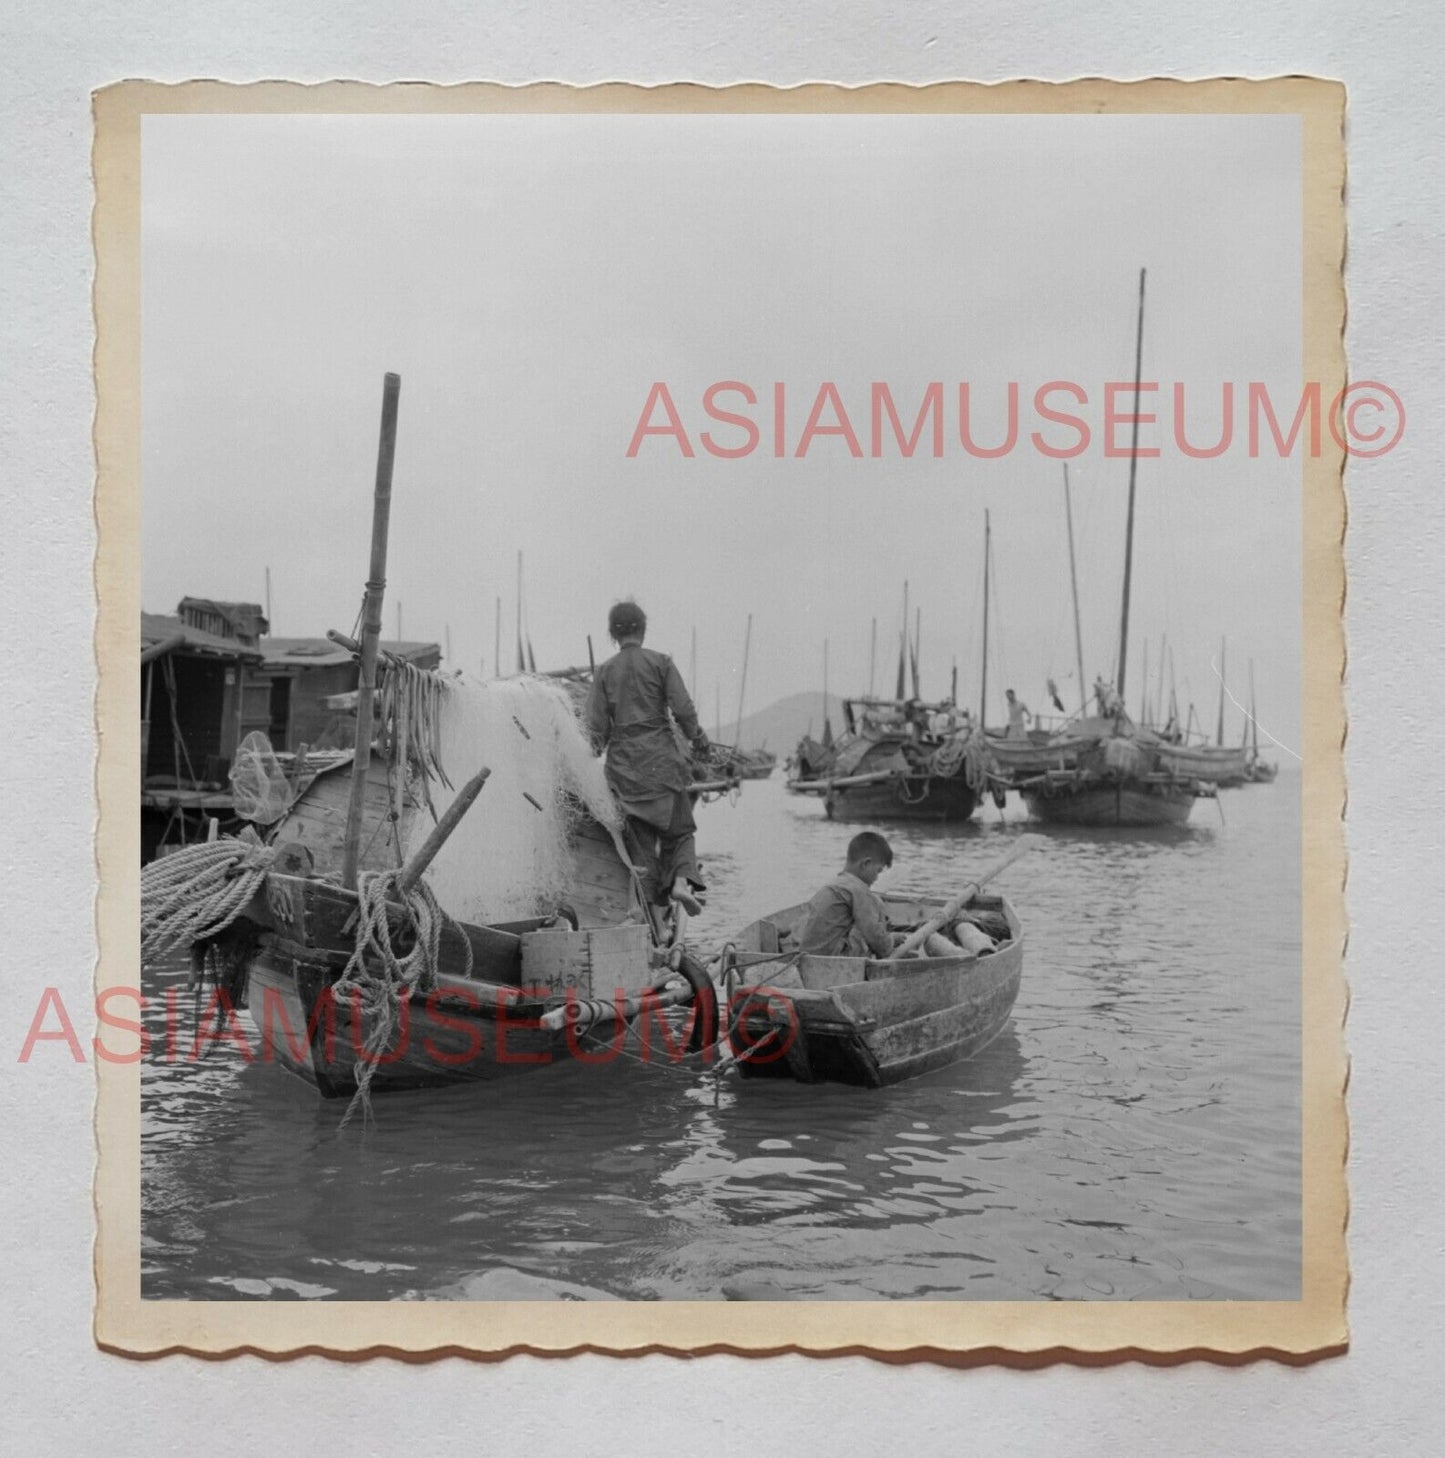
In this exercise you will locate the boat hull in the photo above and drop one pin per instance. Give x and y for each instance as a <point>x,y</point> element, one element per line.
<point>456,1034</point>
<point>903,799</point>
<point>894,1021</point>
<point>1217,764</point>
<point>1106,804</point>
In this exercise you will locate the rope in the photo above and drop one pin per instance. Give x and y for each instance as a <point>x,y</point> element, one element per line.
<point>198,892</point>
<point>378,977</point>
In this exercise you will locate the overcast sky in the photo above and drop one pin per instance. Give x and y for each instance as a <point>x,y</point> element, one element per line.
<point>530,278</point>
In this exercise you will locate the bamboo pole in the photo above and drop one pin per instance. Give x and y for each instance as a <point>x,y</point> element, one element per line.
<point>952,909</point>
<point>1074,584</point>
<point>983,686</point>
<point>1219,727</point>
<point>371,628</point>
<point>1133,473</point>
<point>743,684</point>
<point>441,830</point>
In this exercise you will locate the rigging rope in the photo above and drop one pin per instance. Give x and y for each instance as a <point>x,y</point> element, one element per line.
<point>380,976</point>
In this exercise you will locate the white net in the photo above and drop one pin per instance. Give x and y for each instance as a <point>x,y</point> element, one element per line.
<point>509,857</point>
<point>260,789</point>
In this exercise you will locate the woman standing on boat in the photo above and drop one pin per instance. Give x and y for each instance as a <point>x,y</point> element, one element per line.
<point>628,716</point>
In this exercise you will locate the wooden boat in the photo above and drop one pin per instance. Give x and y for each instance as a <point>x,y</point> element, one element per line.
<point>891,765</point>
<point>1220,764</point>
<point>863,1020</point>
<point>1123,776</point>
<point>1039,750</point>
<point>1119,779</point>
<point>363,984</point>
<point>487,1012</point>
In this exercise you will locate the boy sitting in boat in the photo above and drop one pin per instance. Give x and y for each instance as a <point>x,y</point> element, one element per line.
<point>846,918</point>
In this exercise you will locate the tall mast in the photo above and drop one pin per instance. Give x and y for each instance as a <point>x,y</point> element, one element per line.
<point>1253,722</point>
<point>371,630</point>
<point>1144,692</point>
<point>825,683</point>
<point>872,656</point>
<point>1074,583</point>
<point>917,645</point>
<point>1133,472</point>
<point>743,684</point>
<point>903,648</point>
<point>1159,686</point>
<point>521,656</point>
<point>1219,729</point>
<point>983,686</point>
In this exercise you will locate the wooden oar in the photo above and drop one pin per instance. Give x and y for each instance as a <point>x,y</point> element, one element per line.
<point>950,912</point>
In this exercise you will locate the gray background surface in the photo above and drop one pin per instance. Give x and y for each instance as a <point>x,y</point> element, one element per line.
<point>63,1396</point>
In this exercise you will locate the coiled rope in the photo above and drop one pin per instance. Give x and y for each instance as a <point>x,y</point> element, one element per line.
<point>378,978</point>
<point>198,892</point>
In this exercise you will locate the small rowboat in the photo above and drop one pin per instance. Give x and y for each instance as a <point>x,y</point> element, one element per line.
<point>862,1020</point>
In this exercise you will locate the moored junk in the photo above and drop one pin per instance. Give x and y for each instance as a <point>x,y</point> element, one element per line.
<point>898,760</point>
<point>327,931</point>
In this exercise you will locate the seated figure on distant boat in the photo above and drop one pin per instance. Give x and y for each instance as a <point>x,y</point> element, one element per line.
<point>846,918</point>
<point>627,714</point>
<point>1110,704</point>
<point>1018,716</point>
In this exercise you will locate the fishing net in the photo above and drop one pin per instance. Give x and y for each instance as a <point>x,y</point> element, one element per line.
<point>510,856</point>
<point>261,790</point>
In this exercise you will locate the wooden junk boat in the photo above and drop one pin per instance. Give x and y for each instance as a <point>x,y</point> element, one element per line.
<point>891,764</point>
<point>866,1020</point>
<point>1111,774</point>
<point>361,981</point>
<point>1106,771</point>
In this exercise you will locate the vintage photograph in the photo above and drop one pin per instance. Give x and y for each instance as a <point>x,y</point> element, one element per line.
<point>732,709</point>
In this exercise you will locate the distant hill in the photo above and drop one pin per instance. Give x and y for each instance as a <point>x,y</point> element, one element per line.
<point>781,725</point>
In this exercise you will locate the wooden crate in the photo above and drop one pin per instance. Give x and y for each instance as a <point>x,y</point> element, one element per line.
<point>597,962</point>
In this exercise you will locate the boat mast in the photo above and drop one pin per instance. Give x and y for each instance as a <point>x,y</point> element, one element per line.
<point>1144,692</point>
<point>521,656</point>
<point>1253,722</point>
<point>1219,728</point>
<point>903,648</point>
<point>1159,686</point>
<point>872,656</point>
<point>371,629</point>
<point>983,685</point>
<point>917,644</point>
<point>1133,473</point>
<point>825,688</point>
<point>743,683</point>
<point>692,668</point>
<point>1074,583</point>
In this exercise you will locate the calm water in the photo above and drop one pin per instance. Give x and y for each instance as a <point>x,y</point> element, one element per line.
<point>1133,1134</point>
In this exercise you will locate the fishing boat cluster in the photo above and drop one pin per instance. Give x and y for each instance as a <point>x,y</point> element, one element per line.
<point>349,915</point>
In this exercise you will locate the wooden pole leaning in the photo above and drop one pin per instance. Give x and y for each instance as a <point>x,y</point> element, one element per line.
<point>950,912</point>
<point>371,629</point>
<point>451,817</point>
